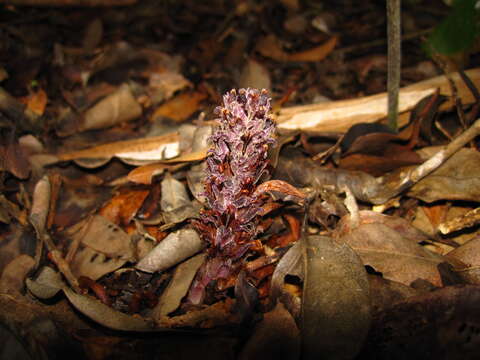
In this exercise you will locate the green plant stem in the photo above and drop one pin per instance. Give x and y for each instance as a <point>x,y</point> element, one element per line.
<point>394,60</point>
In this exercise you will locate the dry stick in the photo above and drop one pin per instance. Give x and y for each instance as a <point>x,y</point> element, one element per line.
<point>394,60</point>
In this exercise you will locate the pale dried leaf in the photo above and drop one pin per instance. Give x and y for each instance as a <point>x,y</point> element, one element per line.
<point>40,205</point>
<point>178,286</point>
<point>105,315</point>
<point>174,194</point>
<point>147,149</point>
<point>176,247</point>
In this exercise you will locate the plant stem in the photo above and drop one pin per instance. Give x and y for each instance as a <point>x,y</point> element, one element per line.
<point>394,60</point>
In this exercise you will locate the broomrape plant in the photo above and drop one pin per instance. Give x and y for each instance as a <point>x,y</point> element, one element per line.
<point>236,163</point>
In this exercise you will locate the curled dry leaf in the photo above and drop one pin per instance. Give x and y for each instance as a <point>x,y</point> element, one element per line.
<point>289,191</point>
<point>176,247</point>
<point>390,246</point>
<point>137,151</point>
<point>336,300</point>
<point>178,286</point>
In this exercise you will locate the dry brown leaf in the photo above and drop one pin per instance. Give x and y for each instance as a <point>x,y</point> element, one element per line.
<point>123,206</point>
<point>469,254</point>
<point>315,54</point>
<point>145,173</point>
<point>390,246</point>
<point>457,179</point>
<point>181,107</point>
<point>271,47</point>
<point>37,102</point>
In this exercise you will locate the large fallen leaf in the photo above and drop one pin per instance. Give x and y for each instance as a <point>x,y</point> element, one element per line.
<point>137,151</point>
<point>457,179</point>
<point>335,302</point>
<point>390,246</point>
<point>341,115</point>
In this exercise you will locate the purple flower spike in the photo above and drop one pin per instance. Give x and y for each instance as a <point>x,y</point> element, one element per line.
<point>236,163</point>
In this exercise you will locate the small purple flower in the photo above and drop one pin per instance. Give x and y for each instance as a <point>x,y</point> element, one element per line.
<point>236,163</point>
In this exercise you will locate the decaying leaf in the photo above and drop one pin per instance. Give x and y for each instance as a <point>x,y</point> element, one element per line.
<point>390,246</point>
<point>178,286</point>
<point>336,300</point>
<point>177,246</point>
<point>98,247</point>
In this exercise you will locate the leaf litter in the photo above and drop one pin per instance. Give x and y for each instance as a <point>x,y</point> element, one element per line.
<point>102,207</point>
